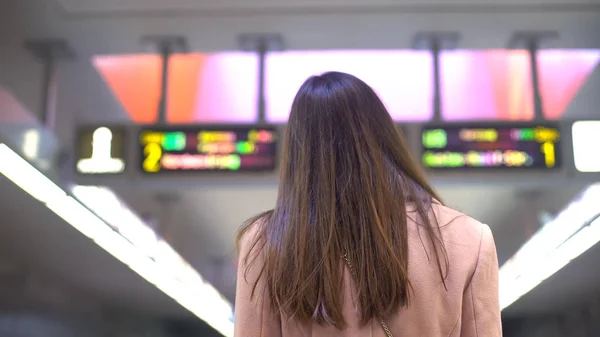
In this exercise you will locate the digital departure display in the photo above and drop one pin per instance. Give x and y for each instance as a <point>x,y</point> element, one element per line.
<point>492,145</point>
<point>208,148</point>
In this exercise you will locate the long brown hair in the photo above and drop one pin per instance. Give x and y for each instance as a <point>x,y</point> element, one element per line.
<point>346,177</point>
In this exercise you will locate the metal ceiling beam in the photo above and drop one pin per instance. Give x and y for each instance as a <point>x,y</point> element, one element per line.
<point>531,41</point>
<point>166,46</point>
<point>261,43</point>
<point>49,52</point>
<point>436,42</point>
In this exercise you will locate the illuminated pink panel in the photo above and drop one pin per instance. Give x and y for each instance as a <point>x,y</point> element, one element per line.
<point>486,85</point>
<point>562,73</point>
<point>402,78</point>
<point>227,89</point>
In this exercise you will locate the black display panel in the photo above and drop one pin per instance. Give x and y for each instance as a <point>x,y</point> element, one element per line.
<point>100,150</point>
<point>491,146</point>
<point>208,148</point>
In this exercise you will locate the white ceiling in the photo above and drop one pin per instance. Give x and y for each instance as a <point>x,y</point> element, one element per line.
<point>202,222</point>
<point>223,209</point>
<point>112,6</point>
<point>113,26</point>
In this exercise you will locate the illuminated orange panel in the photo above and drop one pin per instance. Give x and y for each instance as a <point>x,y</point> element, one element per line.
<point>512,85</point>
<point>184,71</point>
<point>135,81</point>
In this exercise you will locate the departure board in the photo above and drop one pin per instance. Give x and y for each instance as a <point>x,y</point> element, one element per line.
<point>208,148</point>
<point>492,145</point>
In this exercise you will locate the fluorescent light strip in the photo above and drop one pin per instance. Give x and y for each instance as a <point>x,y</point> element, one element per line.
<point>117,214</point>
<point>566,223</point>
<point>27,177</point>
<point>198,297</point>
<point>553,247</point>
<point>571,249</point>
<point>108,206</point>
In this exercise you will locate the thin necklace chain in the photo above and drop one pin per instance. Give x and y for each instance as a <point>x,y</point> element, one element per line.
<point>387,331</point>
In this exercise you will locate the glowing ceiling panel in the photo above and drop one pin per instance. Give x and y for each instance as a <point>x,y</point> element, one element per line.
<point>135,81</point>
<point>202,87</point>
<point>486,85</point>
<point>403,79</point>
<point>562,74</point>
<point>222,87</point>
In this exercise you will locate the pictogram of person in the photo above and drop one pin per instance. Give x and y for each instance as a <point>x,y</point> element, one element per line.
<point>101,160</point>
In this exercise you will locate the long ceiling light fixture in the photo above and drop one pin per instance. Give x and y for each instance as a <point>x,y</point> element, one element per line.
<point>113,226</point>
<point>575,230</point>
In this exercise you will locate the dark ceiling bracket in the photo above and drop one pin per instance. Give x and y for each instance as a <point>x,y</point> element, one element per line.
<point>261,43</point>
<point>49,52</point>
<point>167,203</point>
<point>532,41</point>
<point>166,46</point>
<point>436,42</point>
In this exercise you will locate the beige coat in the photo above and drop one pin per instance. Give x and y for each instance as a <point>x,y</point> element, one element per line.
<point>469,308</point>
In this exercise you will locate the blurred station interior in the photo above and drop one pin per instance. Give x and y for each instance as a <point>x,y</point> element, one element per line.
<point>136,136</point>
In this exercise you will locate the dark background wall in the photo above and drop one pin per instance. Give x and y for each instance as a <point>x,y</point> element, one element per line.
<point>581,320</point>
